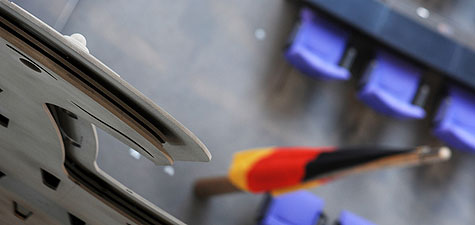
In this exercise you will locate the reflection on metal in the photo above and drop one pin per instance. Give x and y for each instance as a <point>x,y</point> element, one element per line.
<point>423,12</point>
<point>134,153</point>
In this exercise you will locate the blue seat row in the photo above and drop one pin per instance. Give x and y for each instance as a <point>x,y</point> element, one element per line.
<point>303,208</point>
<point>390,84</point>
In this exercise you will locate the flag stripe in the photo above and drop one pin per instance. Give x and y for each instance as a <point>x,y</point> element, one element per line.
<point>343,159</point>
<point>242,163</point>
<point>284,167</point>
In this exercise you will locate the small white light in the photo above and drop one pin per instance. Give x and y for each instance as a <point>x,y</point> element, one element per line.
<point>260,34</point>
<point>134,153</point>
<point>169,170</point>
<point>423,12</point>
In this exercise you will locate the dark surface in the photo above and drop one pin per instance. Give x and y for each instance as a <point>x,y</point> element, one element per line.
<point>201,62</point>
<point>398,30</point>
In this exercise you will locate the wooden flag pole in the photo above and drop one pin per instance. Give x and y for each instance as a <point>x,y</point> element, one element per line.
<point>207,187</point>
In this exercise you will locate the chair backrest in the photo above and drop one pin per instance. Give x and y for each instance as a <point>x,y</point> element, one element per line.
<point>396,76</point>
<point>300,207</point>
<point>322,37</point>
<point>455,120</point>
<point>461,108</point>
<point>391,86</point>
<point>348,218</point>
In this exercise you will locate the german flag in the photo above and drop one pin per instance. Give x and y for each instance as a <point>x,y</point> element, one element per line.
<point>261,170</point>
<point>282,169</point>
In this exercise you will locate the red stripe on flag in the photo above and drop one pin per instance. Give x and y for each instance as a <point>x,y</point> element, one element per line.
<point>285,167</point>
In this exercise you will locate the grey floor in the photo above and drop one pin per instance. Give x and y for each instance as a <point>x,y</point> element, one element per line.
<point>203,62</point>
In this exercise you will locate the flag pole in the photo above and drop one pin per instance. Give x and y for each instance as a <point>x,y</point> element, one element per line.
<point>211,186</point>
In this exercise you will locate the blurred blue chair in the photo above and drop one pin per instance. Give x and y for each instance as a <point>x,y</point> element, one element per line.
<point>390,86</point>
<point>300,207</point>
<point>348,218</point>
<point>455,120</point>
<point>317,48</point>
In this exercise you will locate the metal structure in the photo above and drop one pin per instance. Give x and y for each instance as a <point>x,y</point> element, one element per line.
<point>53,94</point>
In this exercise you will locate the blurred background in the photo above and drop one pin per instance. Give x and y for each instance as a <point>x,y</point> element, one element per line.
<point>219,68</point>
